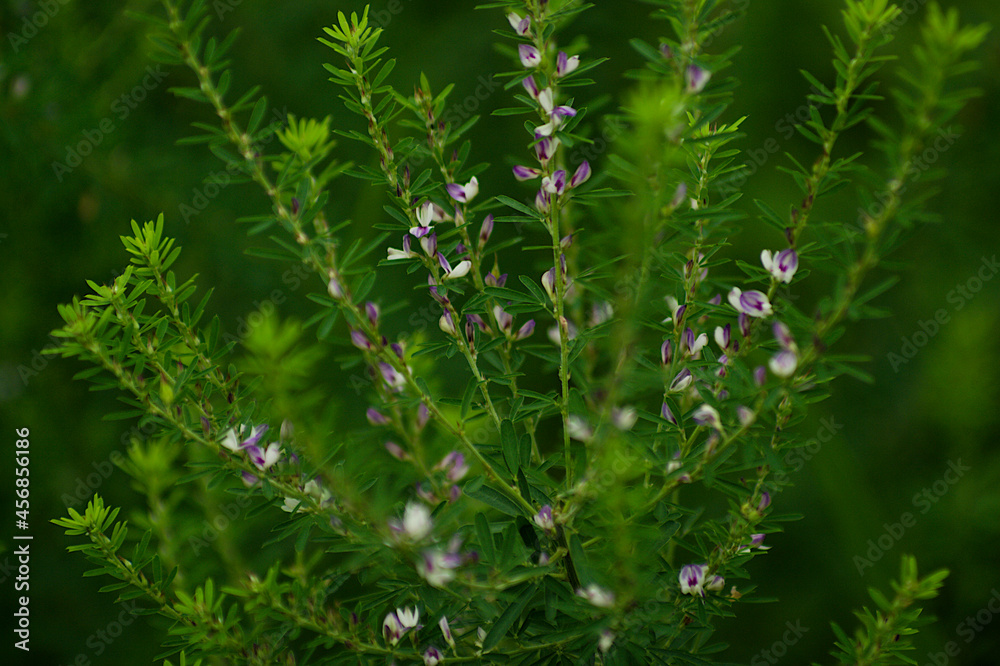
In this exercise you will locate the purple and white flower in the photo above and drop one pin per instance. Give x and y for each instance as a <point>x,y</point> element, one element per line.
<point>464,193</point>
<point>392,630</point>
<point>723,336</point>
<point>544,519</point>
<point>597,595</point>
<point>556,183</point>
<point>579,429</point>
<point>566,64</point>
<point>521,25</point>
<point>696,78</point>
<point>523,173</point>
<point>437,567</point>
<point>581,175</point>
<point>692,579</point>
<point>432,656</point>
<point>529,55</point>
<point>446,631</point>
<point>624,418</point>
<point>460,270</point>
<point>425,220</point>
<point>782,265</point>
<point>706,415</point>
<point>416,524</point>
<point>405,253</point>
<point>454,466</point>
<point>752,303</point>
<point>681,381</point>
<point>264,458</point>
<point>783,363</point>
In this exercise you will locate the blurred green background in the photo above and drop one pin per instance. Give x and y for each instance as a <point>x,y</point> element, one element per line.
<point>64,81</point>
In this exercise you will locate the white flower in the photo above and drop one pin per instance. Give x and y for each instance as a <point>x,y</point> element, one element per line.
<point>783,363</point>
<point>417,522</point>
<point>230,440</point>
<point>408,617</point>
<point>437,567</point>
<point>597,595</point>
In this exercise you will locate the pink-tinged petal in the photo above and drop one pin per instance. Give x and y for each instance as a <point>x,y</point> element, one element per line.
<point>529,55</point>
<point>723,336</point>
<point>375,417</point>
<point>680,194</point>
<point>705,415</point>
<point>443,262</point>
<point>542,201</point>
<point>783,363</point>
<point>681,381</point>
<point>783,335</point>
<point>561,112</point>
<point>523,173</point>
<point>666,352</point>
<point>429,244</point>
<point>457,192</point>
<point>566,65</point>
<point>667,415</point>
<point>372,311</point>
<point>549,282</point>
<point>697,78</point>
<point>526,330</point>
<point>505,321</point>
<point>446,323</point>
<point>520,25</point>
<point>486,230</point>
<point>359,340</point>
<point>529,84</point>
<point>755,303</point>
<point>546,149</point>
<point>556,184</point>
<point>692,578</point>
<point>335,289</point>
<point>785,264</point>
<point>581,175</point>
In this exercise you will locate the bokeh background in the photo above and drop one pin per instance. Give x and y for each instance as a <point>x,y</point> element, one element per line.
<point>65,80</point>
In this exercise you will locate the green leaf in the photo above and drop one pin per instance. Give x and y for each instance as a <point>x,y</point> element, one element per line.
<point>485,536</point>
<point>508,618</point>
<point>510,445</point>
<point>495,499</point>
